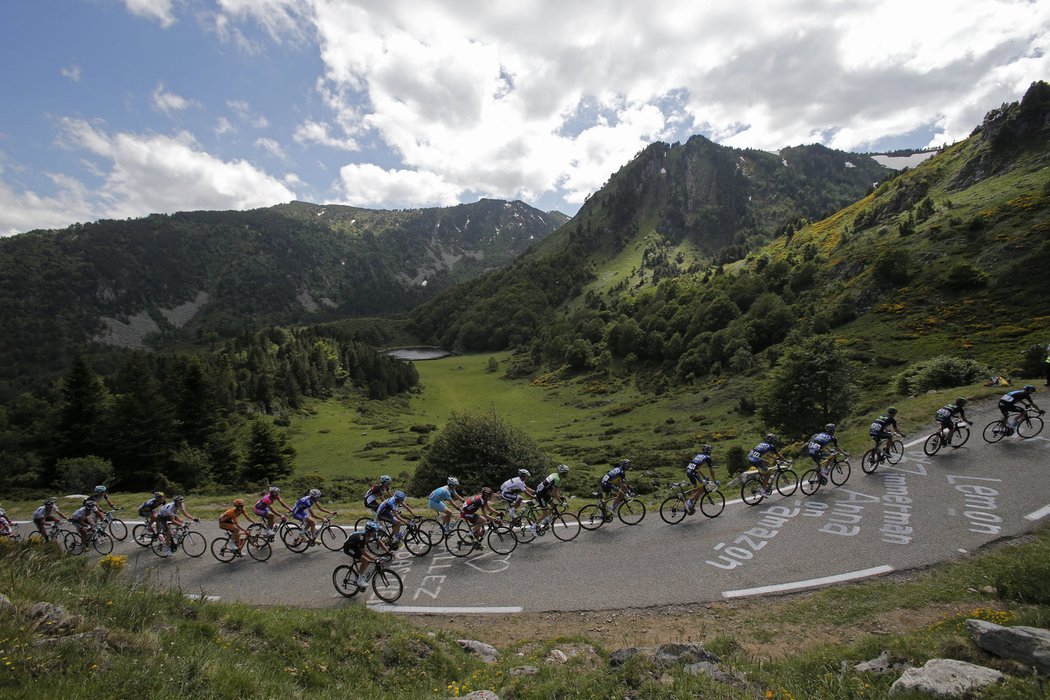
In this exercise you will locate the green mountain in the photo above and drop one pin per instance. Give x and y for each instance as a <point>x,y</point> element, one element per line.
<point>696,260</point>
<point>202,276</point>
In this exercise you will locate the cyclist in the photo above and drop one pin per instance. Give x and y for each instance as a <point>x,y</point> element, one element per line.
<point>615,478</point>
<point>547,491</point>
<point>1017,402</point>
<point>168,515</point>
<point>264,507</point>
<point>441,496</point>
<point>356,546</point>
<point>303,511</point>
<point>884,427</point>
<point>761,456</point>
<point>82,518</point>
<point>377,493</point>
<point>513,489</point>
<point>389,512</point>
<point>6,525</point>
<point>147,511</point>
<point>101,492</point>
<point>946,417</point>
<point>818,451</point>
<point>46,514</point>
<point>477,511</point>
<point>228,522</point>
<point>698,480</point>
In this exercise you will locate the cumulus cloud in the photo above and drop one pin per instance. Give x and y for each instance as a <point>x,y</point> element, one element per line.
<point>271,147</point>
<point>161,11</point>
<point>317,132</point>
<point>72,72</point>
<point>244,111</point>
<point>223,126</point>
<point>366,184</point>
<point>169,102</point>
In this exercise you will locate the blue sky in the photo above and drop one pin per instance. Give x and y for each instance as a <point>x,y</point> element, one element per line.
<point>120,108</point>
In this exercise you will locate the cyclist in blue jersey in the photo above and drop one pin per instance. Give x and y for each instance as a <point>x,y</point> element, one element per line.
<point>512,490</point>
<point>1017,402</point>
<point>762,457</point>
<point>443,500</point>
<point>946,418</point>
<point>698,480</point>
<point>883,427</point>
<point>303,511</point>
<point>615,478</point>
<point>389,512</point>
<point>547,491</point>
<point>818,451</point>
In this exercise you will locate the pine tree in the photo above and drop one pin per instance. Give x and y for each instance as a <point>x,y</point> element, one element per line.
<point>269,457</point>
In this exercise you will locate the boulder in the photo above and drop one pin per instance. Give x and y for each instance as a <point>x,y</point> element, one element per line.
<point>480,695</point>
<point>557,656</point>
<point>945,678</point>
<point>52,619</point>
<point>523,671</point>
<point>716,672</point>
<point>880,664</point>
<point>620,656</point>
<point>683,654</point>
<point>486,652</point>
<point>1029,645</point>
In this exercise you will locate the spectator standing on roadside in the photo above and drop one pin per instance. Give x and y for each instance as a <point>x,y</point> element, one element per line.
<point>1047,363</point>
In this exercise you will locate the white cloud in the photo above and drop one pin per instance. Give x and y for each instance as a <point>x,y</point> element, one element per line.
<point>369,185</point>
<point>160,10</point>
<point>316,132</point>
<point>271,147</point>
<point>72,72</point>
<point>169,102</point>
<point>223,126</point>
<point>22,210</point>
<point>244,111</point>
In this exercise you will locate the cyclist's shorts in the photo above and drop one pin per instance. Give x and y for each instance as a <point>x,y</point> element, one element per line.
<point>880,436</point>
<point>300,515</point>
<point>1011,407</point>
<point>608,486</point>
<point>759,464</point>
<point>232,527</point>
<point>694,478</point>
<point>510,497</point>
<point>40,521</point>
<point>145,513</point>
<point>262,511</point>
<point>543,497</point>
<point>947,422</point>
<point>387,517</point>
<point>86,520</point>
<point>354,552</point>
<point>471,518</point>
<point>436,504</point>
<point>818,457</point>
<point>164,519</point>
<point>372,504</point>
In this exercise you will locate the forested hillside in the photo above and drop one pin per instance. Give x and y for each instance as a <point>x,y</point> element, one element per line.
<point>205,276</point>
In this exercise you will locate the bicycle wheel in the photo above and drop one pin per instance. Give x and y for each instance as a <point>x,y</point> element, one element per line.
<point>672,510</point>
<point>960,436</point>
<point>223,550</point>
<point>416,543</point>
<point>387,585</point>
<point>118,530</point>
<point>74,543</point>
<point>501,539</point>
<point>751,492</point>
<point>932,444</point>
<point>142,535</point>
<point>258,547</point>
<point>591,517</point>
<point>159,546</point>
<point>377,549</point>
<point>895,451</point>
<point>787,482</point>
<point>360,524</point>
<point>1030,426</point>
<point>295,539</point>
<point>993,432</point>
<point>102,543</point>
<point>459,543</point>
<point>332,537</point>
<point>631,511</point>
<point>869,462</point>
<point>565,526</point>
<point>194,544</point>
<point>712,504</point>
<point>523,531</point>
<point>840,472</point>
<point>431,530</point>
<point>344,578</point>
<point>810,482</point>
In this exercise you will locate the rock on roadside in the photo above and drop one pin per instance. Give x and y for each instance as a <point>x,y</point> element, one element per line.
<point>1029,645</point>
<point>486,652</point>
<point>946,678</point>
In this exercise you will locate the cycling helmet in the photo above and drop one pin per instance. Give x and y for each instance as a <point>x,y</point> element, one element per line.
<point>275,490</point>
<point>624,463</point>
<point>100,489</point>
<point>524,473</point>
<point>891,410</point>
<point>384,479</point>
<point>486,492</point>
<point>399,496</point>
<point>829,428</point>
<point>371,526</point>
<point>158,494</point>
<point>960,401</point>
<point>453,481</point>
<point>1029,388</point>
<point>563,468</point>
<point>238,503</point>
<point>88,503</point>
<point>315,493</point>
<point>179,499</point>
<point>705,449</point>
<point>771,439</point>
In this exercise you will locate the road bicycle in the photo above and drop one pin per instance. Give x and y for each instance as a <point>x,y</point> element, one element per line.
<point>461,540</point>
<point>11,532</point>
<point>386,583</point>
<point>564,525</point>
<point>711,503</point>
<point>782,477</point>
<point>118,530</point>
<point>225,548</point>
<point>53,533</point>
<point>960,433</point>
<point>97,537</point>
<point>261,529</point>
<point>631,511</point>
<point>182,537</point>
<point>891,452</point>
<point>1028,425</point>
<point>144,533</point>
<point>418,535</point>
<point>838,471</point>
<point>298,540</point>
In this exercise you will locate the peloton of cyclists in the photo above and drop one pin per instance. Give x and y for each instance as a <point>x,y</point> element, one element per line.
<point>1017,402</point>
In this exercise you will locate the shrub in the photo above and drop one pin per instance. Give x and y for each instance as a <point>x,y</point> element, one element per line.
<point>1025,580</point>
<point>82,474</point>
<point>939,372</point>
<point>1033,362</point>
<point>811,385</point>
<point>735,460</point>
<point>963,275</point>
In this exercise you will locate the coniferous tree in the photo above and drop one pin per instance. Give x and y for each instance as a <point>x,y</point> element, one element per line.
<point>269,457</point>
<point>80,420</point>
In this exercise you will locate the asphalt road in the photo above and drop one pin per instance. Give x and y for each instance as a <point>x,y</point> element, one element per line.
<point>921,511</point>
